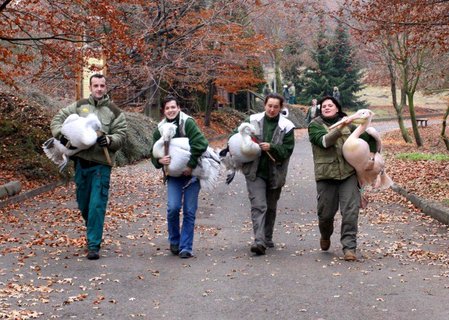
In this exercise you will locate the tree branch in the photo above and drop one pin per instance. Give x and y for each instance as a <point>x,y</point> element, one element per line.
<point>4,4</point>
<point>60,37</point>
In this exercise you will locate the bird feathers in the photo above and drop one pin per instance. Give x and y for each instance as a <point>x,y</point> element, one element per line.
<point>370,168</point>
<point>81,133</point>
<point>208,167</point>
<point>241,149</point>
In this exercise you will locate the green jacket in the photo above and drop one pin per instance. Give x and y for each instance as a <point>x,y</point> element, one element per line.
<point>329,162</point>
<point>186,128</point>
<point>280,133</point>
<point>113,124</point>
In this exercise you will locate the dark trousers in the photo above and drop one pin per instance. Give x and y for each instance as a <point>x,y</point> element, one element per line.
<point>343,195</point>
<point>263,209</point>
<point>92,192</point>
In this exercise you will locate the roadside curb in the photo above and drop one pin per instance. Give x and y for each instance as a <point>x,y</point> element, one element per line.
<point>430,208</point>
<point>30,194</point>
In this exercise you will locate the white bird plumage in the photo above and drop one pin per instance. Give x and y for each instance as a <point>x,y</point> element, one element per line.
<point>82,134</point>
<point>241,149</point>
<point>356,151</point>
<point>208,168</point>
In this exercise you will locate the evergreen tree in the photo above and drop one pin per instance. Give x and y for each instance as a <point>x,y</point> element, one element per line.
<point>335,67</point>
<point>346,73</point>
<point>319,79</point>
<point>291,67</point>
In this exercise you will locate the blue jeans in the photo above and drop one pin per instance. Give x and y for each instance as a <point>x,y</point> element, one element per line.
<point>189,187</point>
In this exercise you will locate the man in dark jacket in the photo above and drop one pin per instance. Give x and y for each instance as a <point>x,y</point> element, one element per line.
<point>266,175</point>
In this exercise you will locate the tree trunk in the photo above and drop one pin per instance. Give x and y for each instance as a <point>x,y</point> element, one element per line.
<point>411,107</point>
<point>209,102</point>
<point>402,127</point>
<point>398,107</point>
<point>443,129</point>
<point>277,72</point>
<point>153,102</point>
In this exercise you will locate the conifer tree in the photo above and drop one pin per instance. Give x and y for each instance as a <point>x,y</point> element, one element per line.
<point>318,80</point>
<point>334,67</point>
<point>346,73</point>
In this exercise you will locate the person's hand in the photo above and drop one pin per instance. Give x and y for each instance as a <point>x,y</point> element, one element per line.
<point>346,121</point>
<point>187,171</point>
<point>64,141</point>
<point>265,146</point>
<point>103,141</point>
<point>165,160</point>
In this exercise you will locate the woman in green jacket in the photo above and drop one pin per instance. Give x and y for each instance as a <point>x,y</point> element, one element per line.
<point>182,191</point>
<point>336,181</point>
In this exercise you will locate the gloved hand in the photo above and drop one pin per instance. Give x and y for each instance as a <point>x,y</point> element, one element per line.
<point>103,141</point>
<point>66,143</point>
<point>64,140</point>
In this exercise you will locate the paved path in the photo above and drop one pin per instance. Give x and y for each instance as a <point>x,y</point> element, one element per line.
<point>403,271</point>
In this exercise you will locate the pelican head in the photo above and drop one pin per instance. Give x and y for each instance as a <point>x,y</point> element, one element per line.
<point>361,116</point>
<point>247,129</point>
<point>93,122</point>
<point>167,131</point>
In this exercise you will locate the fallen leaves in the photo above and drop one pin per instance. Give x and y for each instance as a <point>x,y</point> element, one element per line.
<point>425,178</point>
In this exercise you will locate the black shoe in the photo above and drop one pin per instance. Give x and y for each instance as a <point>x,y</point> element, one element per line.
<point>174,248</point>
<point>269,243</point>
<point>93,255</point>
<point>185,254</point>
<point>258,249</point>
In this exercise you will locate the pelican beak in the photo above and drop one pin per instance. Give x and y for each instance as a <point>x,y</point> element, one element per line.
<point>337,124</point>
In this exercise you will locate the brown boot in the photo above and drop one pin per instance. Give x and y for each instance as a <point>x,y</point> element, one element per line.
<point>325,244</point>
<point>350,255</point>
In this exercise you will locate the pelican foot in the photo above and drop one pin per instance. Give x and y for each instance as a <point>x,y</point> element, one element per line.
<point>370,164</point>
<point>363,201</point>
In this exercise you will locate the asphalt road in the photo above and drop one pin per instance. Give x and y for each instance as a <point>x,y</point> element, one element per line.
<point>402,272</point>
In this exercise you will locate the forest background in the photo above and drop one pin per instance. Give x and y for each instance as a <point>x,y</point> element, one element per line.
<point>219,54</point>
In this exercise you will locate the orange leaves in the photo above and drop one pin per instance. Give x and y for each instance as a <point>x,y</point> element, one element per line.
<point>79,297</point>
<point>36,33</point>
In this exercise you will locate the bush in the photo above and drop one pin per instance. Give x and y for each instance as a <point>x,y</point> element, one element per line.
<point>139,139</point>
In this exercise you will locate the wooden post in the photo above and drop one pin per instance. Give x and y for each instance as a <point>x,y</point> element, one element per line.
<point>78,84</point>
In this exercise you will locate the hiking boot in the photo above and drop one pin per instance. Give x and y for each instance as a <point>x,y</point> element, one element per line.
<point>174,248</point>
<point>258,249</point>
<point>93,255</point>
<point>350,255</point>
<point>185,254</point>
<point>325,244</point>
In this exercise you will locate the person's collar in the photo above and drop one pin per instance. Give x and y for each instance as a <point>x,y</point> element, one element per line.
<point>174,120</point>
<point>331,121</point>
<point>275,119</point>
<point>99,101</point>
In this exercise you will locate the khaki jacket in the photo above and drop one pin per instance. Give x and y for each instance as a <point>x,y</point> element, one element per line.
<point>113,124</point>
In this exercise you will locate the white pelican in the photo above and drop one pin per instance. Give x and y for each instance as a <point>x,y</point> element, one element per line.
<point>208,168</point>
<point>81,133</point>
<point>241,149</point>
